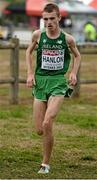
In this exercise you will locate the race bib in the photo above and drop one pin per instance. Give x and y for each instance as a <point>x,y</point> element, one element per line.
<point>52,59</point>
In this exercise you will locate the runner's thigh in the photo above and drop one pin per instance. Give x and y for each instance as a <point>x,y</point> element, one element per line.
<point>39,109</point>
<point>54,105</point>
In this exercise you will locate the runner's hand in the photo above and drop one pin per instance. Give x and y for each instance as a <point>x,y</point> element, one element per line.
<point>30,80</point>
<point>72,79</point>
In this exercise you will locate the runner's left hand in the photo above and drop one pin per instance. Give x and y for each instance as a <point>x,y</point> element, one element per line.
<point>72,79</point>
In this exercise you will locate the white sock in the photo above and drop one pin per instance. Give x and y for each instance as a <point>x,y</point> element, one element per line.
<point>46,165</point>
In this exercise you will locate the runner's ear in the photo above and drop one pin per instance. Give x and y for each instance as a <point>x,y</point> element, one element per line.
<point>60,17</point>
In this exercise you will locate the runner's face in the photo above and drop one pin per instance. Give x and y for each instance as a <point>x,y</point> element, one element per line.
<point>51,20</point>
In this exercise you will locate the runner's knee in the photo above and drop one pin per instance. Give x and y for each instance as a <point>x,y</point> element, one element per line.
<point>47,126</point>
<point>50,116</point>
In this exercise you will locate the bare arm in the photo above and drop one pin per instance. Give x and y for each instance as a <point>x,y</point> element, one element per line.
<point>29,61</point>
<point>76,59</point>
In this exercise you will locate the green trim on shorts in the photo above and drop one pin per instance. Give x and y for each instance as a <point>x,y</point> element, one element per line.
<point>47,86</point>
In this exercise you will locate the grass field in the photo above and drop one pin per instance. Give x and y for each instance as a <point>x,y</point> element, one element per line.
<point>75,130</point>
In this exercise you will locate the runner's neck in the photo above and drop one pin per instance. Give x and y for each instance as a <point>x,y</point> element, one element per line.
<point>53,34</point>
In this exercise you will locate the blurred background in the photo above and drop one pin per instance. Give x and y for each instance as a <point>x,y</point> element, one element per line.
<point>18,18</point>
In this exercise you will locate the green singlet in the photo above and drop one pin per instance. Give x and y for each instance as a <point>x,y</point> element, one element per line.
<point>53,59</point>
<point>53,56</point>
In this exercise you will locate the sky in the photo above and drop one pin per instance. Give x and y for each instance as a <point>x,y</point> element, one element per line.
<point>86,1</point>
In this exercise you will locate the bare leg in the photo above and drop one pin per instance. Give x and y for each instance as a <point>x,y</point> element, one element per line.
<point>39,109</point>
<point>54,104</point>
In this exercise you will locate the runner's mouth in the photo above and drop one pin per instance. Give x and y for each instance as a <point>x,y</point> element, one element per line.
<point>49,26</point>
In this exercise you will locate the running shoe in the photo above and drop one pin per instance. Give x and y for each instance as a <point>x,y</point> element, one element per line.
<point>44,169</point>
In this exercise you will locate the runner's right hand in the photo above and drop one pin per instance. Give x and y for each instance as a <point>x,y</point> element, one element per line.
<point>30,80</point>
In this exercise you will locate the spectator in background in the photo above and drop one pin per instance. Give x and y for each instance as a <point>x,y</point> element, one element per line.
<point>90,32</point>
<point>1,33</point>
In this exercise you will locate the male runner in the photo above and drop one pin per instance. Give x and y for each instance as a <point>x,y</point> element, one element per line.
<point>49,82</point>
